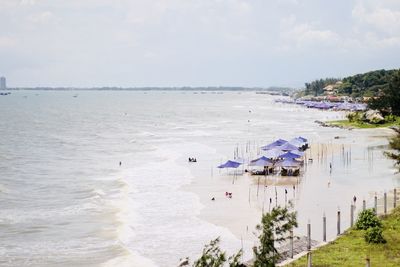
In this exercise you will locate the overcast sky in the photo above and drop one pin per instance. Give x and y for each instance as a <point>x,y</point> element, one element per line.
<point>194,42</point>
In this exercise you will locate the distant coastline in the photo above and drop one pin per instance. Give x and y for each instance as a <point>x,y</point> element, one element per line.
<point>183,88</point>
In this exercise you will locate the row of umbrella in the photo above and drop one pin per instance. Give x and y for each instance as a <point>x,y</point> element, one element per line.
<point>288,151</point>
<point>326,104</point>
<point>263,161</point>
<point>286,162</point>
<point>283,145</point>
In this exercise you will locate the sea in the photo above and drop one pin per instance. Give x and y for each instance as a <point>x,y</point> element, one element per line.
<point>101,178</point>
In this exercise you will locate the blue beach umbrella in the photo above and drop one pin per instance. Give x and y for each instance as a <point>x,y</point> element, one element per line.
<point>297,152</point>
<point>290,155</point>
<point>302,139</point>
<point>274,144</point>
<point>344,106</point>
<point>360,107</point>
<point>288,147</point>
<point>288,163</point>
<point>273,153</point>
<point>263,161</point>
<point>229,164</point>
<point>297,142</point>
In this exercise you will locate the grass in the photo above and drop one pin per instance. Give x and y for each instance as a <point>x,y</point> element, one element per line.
<point>351,249</point>
<point>363,125</point>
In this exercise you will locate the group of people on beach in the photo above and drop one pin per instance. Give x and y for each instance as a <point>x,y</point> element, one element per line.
<point>227,194</point>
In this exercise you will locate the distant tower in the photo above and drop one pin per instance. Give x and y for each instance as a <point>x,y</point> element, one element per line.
<point>3,85</point>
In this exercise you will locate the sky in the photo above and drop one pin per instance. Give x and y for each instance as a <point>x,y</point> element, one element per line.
<point>135,43</point>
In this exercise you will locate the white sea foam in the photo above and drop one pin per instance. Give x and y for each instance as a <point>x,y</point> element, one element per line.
<point>166,215</point>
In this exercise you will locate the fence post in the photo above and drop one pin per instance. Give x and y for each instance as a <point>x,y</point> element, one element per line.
<point>309,259</point>
<point>368,262</point>
<point>338,222</point>
<point>364,205</point>
<point>394,197</point>
<point>324,228</point>
<point>291,244</point>
<point>376,204</point>
<point>309,236</point>
<point>385,203</point>
<point>351,215</point>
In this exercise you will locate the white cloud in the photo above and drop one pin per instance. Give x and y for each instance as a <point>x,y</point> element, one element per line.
<point>42,17</point>
<point>289,2</point>
<point>219,39</point>
<point>384,19</point>
<point>6,41</point>
<point>27,2</point>
<point>296,34</point>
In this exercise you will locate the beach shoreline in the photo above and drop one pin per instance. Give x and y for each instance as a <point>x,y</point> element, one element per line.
<point>243,211</point>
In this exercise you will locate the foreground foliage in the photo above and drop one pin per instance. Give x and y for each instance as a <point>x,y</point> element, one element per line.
<point>374,235</point>
<point>394,144</point>
<point>367,219</point>
<point>213,256</point>
<point>274,229</point>
<point>351,249</point>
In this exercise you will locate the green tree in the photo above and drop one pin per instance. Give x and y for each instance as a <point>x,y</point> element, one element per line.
<point>213,256</point>
<point>274,229</point>
<point>394,144</point>
<point>317,87</point>
<point>389,100</point>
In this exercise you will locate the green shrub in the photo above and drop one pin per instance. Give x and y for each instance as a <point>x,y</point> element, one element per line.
<point>390,118</point>
<point>374,235</point>
<point>367,219</point>
<point>353,117</point>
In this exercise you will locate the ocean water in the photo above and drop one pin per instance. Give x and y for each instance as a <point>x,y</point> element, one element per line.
<point>66,201</point>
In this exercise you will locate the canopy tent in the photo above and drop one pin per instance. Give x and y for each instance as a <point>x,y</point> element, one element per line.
<point>263,161</point>
<point>274,144</point>
<point>302,139</point>
<point>345,106</point>
<point>360,107</point>
<point>273,153</point>
<point>288,147</point>
<point>239,160</point>
<point>229,164</point>
<point>323,105</point>
<point>290,155</point>
<point>297,142</point>
<point>288,163</point>
<point>351,106</point>
<point>297,152</point>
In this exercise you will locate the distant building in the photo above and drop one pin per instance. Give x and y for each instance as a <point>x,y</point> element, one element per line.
<point>329,90</point>
<point>3,85</point>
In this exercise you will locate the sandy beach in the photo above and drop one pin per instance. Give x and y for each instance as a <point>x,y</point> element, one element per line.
<point>357,167</point>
